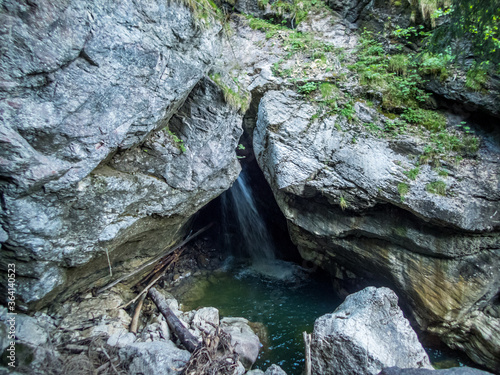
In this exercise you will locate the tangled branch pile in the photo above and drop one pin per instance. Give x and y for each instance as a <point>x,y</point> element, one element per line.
<point>215,356</point>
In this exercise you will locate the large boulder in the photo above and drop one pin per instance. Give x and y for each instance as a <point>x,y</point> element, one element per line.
<point>94,178</point>
<point>365,334</point>
<point>243,339</point>
<point>338,186</point>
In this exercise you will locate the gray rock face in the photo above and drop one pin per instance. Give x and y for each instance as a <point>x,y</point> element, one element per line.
<point>367,333</point>
<point>153,358</point>
<point>487,100</point>
<point>86,170</point>
<point>439,253</point>
<point>349,9</point>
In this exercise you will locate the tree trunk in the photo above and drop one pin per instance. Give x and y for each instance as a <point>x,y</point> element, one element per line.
<point>187,339</point>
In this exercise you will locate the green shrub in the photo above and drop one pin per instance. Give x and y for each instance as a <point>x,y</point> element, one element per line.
<point>412,173</point>
<point>436,65</point>
<point>403,189</point>
<point>307,88</point>
<point>436,187</point>
<point>399,64</point>
<point>343,203</point>
<point>476,78</point>
<point>328,91</point>
<point>379,72</point>
<point>431,120</point>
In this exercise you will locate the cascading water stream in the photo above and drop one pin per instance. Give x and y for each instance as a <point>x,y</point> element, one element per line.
<point>242,219</point>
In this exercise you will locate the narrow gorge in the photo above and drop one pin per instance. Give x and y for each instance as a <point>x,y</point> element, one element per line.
<point>341,158</point>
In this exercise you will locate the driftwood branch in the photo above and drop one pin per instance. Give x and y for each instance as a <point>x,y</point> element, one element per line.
<point>189,238</point>
<point>157,275</point>
<point>135,319</point>
<point>307,344</point>
<point>186,338</point>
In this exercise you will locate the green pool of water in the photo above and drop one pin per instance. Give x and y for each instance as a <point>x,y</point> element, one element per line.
<point>286,309</point>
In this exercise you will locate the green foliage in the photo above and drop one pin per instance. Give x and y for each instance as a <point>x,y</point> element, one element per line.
<point>399,64</point>
<point>373,128</point>
<point>475,21</point>
<point>178,142</point>
<point>435,64</point>
<point>436,187</point>
<point>343,203</point>
<point>204,12</point>
<point>328,91</point>
<point>442,173</point>
<point>307,88</point>
<point>396,78</point>
<point>239,99</point>
<point>259,24</point>
<point>412,173</point>
<point>403,189</point>
<point>396,127</point>
<point>296,10</point>
<point>476,78</point>
<point>431,120</point>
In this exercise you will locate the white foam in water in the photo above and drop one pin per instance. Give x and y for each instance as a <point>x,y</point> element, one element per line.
<point>273,269</point>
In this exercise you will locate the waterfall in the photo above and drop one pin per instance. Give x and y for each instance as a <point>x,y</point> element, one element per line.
<point>244,229</point>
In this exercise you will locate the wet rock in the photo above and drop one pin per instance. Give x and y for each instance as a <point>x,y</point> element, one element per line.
<point>152,358</point>
<point>450,371</point>
<point>274,370</point>
<point>365,334</point>
<point>243,339</point>
<point>439,253</point>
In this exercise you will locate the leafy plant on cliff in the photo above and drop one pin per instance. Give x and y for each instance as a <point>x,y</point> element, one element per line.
<point>403,189</point>
<point>473,26</point>
<point>436,187</point>
<point>239,98</point>
<point>396,77</point>
<point>178,142</point>
<point>412,173</point>
<point>343,203</point>
<point>204,12</point>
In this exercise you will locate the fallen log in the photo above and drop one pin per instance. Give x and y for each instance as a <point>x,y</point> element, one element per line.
<point>163,254</point>
<point>135,319</point>
<point>186,338</point>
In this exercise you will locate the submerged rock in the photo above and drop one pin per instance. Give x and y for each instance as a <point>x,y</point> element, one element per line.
<point>365,334</point>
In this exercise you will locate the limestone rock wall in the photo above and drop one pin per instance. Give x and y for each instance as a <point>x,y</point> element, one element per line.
<point>440,253</point>
<point>88,168</point>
